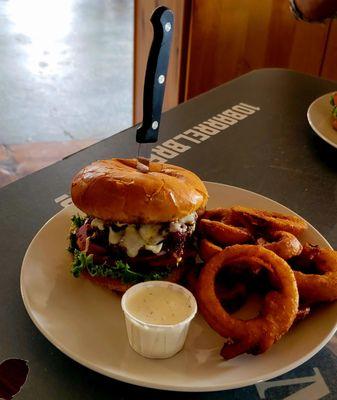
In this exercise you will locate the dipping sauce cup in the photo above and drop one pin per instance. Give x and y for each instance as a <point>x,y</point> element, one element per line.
<point>157,316</point>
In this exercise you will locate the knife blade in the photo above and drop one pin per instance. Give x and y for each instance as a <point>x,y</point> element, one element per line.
<point>155,80</point>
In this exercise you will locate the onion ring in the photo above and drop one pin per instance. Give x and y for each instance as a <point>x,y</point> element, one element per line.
<point>232,298</point>
<point>305,261</point>
<point>219,214</point>
<point>320,286</point>
<point>279,307</point>
<point>207,249</point>
<point>254,218</point>
<point>224,234</point>
<point>302,313</point>
<point>192,278</point>
<point>284,244</point>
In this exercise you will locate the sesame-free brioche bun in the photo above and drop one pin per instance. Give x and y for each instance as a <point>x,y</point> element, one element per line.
<point>116,190</point>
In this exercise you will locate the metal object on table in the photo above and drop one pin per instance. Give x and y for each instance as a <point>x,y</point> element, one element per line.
<point>155,79</point>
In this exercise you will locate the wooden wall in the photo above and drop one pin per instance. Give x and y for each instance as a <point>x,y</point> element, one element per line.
<point>232,37</point>
<point>329,64</point>
<point>218,40</point>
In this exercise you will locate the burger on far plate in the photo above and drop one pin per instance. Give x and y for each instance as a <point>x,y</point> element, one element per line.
<point>137,221</point>
<point>333,102</point>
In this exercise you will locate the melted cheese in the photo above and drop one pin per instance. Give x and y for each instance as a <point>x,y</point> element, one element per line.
<point>148,236</point>
<point>181,224</point>
<point>155,248</point>
<point>120,224</point>
<point>150,233</point>
<point>189,219</point>
<point>176,226</point>
<point>114,237</point>
<point>132,241</point>
<point>98,223</point>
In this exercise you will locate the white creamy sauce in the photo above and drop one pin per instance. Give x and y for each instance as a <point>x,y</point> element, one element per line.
<point>181,224</point>
<point>155,248</point>
<point>132,241</point>
<point>159,305</point>
<point>176,226</point>
<point>120,224</point>
<point>147,236</point>
<point>114,237</point>
<point>98,223</point>
<point>189,219</point>
<point>150,233</point>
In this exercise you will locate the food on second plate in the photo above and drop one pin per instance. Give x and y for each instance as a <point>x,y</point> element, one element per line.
<point>333,102</point>
<point>138,223</point>
<point>279,307</point>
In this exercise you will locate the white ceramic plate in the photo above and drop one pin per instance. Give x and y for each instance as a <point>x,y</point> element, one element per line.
<point>86,322</point>
<point>319,117</point>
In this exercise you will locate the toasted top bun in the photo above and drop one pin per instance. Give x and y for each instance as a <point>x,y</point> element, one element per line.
<point>116,190</point>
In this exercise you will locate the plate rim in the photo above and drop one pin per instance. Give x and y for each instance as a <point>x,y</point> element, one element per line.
<point>312,125</point>
<point>139,382</point>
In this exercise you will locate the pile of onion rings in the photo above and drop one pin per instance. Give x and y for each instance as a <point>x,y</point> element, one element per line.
<point>221,227</point>
<point>279,307</point>
<point>291,277</point>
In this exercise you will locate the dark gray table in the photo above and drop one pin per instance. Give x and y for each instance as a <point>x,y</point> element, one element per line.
<point>272,151</point>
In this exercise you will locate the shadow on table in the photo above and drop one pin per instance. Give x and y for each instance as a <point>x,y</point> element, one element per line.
<point>325,152</point>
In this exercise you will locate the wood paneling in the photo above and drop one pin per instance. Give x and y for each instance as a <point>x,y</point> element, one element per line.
<point>230,37</point>
<point>329,65</point>
<point>143,34</point>
<point>218,40</point>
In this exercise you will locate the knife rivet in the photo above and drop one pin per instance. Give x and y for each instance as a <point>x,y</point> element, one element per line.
<point>161,79</point>
<point>154,125</point>
<point>168,26</point>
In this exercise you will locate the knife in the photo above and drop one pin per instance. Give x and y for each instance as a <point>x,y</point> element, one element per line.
<point>155,80</point>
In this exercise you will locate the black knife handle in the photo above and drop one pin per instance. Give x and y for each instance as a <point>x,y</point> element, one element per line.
<point>155,76</point>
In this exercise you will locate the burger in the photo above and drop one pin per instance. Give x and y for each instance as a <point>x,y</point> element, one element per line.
<point>136,222</point>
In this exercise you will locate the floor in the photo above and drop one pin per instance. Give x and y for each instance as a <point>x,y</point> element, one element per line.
<point>65,78</point>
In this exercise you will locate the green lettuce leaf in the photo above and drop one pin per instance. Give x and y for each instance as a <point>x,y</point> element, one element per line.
<point>77,221</point>
<point>120,270</point>
<point>334,112</point>
<point>332,101</point>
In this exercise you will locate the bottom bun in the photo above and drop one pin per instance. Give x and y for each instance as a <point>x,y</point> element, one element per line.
<point>175,276</point>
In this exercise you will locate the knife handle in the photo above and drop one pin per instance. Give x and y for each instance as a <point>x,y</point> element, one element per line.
<point>155,76</point>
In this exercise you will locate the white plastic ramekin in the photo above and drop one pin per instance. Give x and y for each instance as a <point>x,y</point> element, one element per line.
<point>152,340</point>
